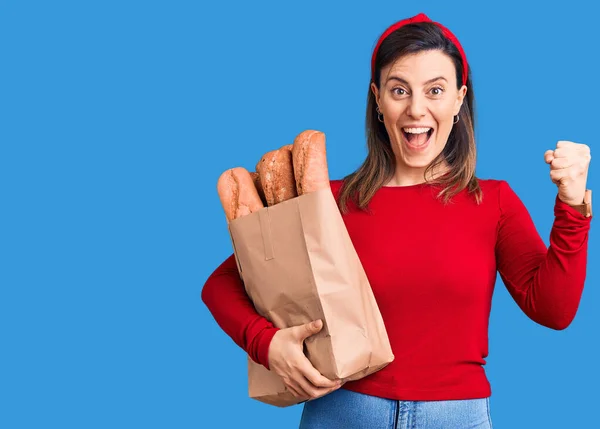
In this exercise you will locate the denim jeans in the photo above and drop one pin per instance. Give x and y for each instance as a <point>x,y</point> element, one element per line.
<point>346,409</point>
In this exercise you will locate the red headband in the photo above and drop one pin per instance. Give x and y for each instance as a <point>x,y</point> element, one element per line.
<point>421,18</point>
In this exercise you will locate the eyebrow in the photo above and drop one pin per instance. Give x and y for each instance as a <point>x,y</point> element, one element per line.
<point>406,83</point>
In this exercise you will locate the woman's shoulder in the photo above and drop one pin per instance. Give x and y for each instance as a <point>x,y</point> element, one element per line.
<point>489,181</point>
<point>501,192</point>
<point>491,184</point>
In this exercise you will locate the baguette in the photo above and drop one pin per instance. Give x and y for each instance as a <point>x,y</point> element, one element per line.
<point>276,175</point>
<point>310,162</point>
<point>239,197</point>
<point>256,179</point>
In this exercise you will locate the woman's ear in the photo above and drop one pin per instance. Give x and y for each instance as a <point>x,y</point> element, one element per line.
<point>462,92</point>
<point>375,92</point>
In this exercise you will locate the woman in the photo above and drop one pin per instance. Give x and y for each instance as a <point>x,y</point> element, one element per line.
<point>431,237</point>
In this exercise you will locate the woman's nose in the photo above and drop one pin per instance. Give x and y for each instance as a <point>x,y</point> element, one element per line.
<point>417,106</point>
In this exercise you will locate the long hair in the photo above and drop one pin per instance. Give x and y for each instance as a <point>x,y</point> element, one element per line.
<point>459,151</point>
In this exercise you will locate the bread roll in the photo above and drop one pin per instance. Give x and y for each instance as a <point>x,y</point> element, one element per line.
<point>310,162</point>
<point>238,194</point>
<point>276,174</point>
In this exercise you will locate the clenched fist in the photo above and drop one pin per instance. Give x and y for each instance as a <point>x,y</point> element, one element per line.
<point>569,164</point>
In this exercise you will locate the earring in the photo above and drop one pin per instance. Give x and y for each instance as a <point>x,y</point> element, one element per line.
<point>457,119</point>
<point>379,114</point>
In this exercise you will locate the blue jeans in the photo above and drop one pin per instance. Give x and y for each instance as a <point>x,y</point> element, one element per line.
<point>346,409</point>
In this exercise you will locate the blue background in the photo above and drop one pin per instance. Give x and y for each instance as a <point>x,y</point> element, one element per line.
<point>117,117</point>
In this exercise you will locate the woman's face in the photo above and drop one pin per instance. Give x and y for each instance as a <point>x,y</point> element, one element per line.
<point>409,96</point>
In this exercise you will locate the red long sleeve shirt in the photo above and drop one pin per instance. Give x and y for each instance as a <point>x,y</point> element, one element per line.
<point>432,269</point>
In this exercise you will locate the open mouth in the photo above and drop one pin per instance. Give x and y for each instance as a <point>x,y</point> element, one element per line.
<point>417,140</point>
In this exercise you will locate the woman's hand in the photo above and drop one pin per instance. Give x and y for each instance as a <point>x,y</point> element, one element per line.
<point>287,359</point>
<point>569,164</point>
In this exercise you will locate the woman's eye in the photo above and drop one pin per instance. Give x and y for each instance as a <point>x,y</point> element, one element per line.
<point>437,88</point>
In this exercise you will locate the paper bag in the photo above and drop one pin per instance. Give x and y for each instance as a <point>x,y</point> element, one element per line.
<point>298,264</point>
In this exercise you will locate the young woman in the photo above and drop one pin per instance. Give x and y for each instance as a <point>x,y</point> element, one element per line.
<point>431,237</point>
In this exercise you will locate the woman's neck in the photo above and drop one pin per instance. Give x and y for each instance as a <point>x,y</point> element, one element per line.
<point>403,178</point>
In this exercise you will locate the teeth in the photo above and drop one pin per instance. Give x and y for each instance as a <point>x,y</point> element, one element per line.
<point>416,130</point>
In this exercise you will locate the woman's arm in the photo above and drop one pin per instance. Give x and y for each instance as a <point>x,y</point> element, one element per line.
<point>546,283</point>
<point>225,296</point>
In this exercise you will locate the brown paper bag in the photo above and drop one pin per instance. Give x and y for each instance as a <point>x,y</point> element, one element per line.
<point>298,264</point>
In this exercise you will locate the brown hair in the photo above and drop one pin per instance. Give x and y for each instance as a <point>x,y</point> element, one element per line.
<point>459,152</point>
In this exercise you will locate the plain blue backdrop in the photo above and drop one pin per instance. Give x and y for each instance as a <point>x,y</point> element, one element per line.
<point>117,118</point>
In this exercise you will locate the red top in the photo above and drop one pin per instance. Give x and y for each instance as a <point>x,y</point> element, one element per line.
<point>432,269</point>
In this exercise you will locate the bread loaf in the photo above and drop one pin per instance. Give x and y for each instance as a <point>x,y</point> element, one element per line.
<point>276,175</point>
<point>238,193</point>
<point>310,162</point>
<point>256,179</point>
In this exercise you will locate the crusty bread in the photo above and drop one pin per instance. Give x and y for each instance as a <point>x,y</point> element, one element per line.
<point>276,174</point>
<point>285,175</point>
<point>310,162</point>
<point>238,194</point>
<point>256,179</point>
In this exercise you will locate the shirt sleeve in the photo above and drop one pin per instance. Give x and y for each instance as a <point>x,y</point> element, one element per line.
<point>546,283</point>
<point>225,296</point>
